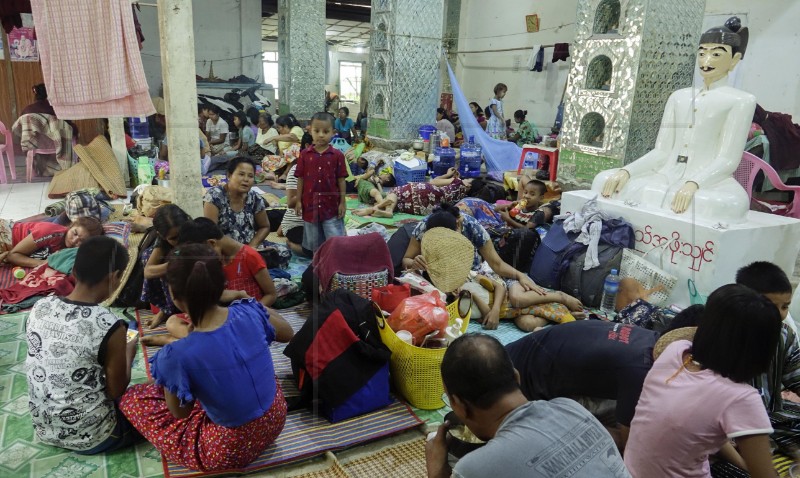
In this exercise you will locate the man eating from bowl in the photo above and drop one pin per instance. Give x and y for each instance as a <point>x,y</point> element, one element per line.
<point>523,439</point>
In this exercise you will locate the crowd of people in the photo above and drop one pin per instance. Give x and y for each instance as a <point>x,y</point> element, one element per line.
<point>704,396</point>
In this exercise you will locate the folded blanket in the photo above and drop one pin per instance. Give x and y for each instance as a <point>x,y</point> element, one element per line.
<point>55,209</point>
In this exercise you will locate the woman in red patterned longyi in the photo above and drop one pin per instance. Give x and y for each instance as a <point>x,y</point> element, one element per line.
<point>239,417</point>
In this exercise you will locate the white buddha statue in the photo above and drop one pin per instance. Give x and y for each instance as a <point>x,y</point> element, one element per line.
<point>700,141</point>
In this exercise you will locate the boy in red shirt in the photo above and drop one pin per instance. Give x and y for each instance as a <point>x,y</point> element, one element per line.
<point>320,174</point>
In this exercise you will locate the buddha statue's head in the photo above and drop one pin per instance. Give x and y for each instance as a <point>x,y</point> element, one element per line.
<point>720,50</point>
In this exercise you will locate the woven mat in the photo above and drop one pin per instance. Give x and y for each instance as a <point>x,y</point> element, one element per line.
<point>7,278</point>
<point>274,237</point>
<point>304,435</point>
<point>134,240</point>
<point>406,460</point>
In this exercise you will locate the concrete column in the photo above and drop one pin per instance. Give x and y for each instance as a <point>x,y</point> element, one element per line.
<point>452,23</point>
<point>301,55</point>
<point>117,132</point>
<point>406,49</point>
<point>180,97</point>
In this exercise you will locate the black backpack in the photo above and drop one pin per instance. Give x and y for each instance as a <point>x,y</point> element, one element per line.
<point>588,285</point>
<point>516,246</point>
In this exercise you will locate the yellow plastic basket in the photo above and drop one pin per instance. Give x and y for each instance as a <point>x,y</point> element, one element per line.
<point>416,371</point>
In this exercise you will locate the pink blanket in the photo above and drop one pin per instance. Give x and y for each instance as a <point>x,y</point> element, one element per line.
<point>90,58</point>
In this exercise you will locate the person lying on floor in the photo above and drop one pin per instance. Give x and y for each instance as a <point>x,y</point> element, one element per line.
<point>492,302</point>
<point>591,359</point>
<point>246,276</point>
<point>79,361</point>
<point>367,187</point>
<point>698,397</point>
<point>523,438</point>
<point>420,198</point>
<point>239,417</point>
<point>28,244</point>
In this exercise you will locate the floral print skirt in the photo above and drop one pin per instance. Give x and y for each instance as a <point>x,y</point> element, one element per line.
<point>195,441</point>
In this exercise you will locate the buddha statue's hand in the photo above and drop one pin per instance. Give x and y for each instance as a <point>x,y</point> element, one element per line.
<point>615,183</point>
<point>682,199</point>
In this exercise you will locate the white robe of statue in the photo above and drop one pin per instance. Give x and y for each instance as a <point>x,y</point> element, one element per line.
<point>701,140</point>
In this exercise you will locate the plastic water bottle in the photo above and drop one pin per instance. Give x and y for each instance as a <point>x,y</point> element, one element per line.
<point>610,289</point>
<point>444,158</point>
<point>469,165</point>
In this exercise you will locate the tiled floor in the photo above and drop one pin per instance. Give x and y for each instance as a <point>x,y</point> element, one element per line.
<point>18,201</point>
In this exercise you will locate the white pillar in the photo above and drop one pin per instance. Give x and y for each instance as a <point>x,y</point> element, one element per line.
<point>180,97</point>
<point>302,51</point>
<point>117,132</point>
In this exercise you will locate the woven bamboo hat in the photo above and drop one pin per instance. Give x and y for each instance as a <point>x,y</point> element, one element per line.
<point>684,333</point>
<point>449,256</point>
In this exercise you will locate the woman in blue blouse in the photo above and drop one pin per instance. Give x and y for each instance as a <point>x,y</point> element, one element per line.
<point>344,125</point>
<point>215,403</point>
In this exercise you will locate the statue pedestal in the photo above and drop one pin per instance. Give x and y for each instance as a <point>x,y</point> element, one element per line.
<point>697,249</point>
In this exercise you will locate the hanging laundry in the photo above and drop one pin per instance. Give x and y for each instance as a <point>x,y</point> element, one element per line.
<point>539,60</point>
<point>91,64</point>
<point>561,52</point>
<point>532,58</point>
<point>137,25</point>
<point>10,13</point>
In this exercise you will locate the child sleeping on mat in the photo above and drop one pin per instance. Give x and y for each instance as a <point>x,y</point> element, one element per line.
<point>495,300</point>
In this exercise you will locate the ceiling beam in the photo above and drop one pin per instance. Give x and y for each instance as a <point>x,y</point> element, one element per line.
<point>353,10</point>
<point>356,14</point>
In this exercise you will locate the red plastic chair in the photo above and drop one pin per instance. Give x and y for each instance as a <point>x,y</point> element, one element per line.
<point>7,149</point>
<point>746,173</point>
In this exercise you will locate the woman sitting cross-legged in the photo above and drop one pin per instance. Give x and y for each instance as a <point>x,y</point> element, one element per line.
<point>239,211</point>
<point>224,364</point>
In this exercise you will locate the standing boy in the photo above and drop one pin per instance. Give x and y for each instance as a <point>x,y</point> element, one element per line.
<point>321,173</point>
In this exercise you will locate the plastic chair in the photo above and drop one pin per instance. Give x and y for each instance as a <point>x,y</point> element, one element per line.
<point>746,173</point>
<point>30,158</point>
<point>8,149</point>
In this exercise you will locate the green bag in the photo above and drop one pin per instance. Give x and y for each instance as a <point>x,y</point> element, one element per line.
<point>695,297</point>
<point>145,171</point>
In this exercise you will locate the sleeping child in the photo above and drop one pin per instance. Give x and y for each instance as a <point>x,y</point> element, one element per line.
<point>495,300</point>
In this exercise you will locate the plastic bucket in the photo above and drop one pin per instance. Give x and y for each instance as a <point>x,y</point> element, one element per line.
<point>426,130</point>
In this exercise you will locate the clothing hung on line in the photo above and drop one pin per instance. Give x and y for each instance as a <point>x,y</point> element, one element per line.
<point>10,11</point>
<point>561,52</point>
<point>104,80</point>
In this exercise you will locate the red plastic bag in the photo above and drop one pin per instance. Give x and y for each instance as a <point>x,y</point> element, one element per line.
<point>420,315</point>
<point>389,297</point>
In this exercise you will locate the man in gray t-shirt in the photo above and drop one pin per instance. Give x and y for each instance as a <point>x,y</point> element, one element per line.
<point>556,438</point>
